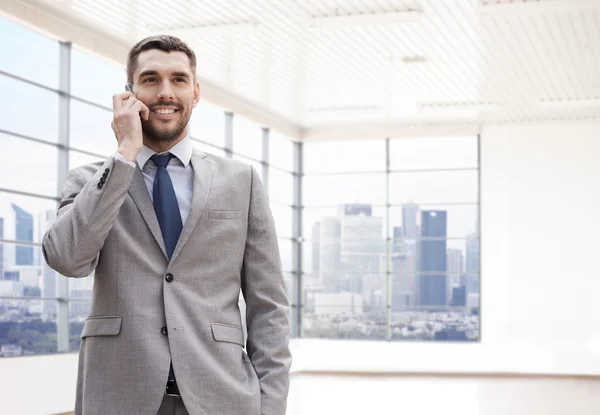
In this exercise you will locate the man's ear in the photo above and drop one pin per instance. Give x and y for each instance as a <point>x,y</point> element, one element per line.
<point>196,94</point>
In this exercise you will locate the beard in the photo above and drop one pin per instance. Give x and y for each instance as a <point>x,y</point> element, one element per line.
<point>158,132</point>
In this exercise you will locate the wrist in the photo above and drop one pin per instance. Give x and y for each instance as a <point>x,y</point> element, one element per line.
<point>129,153</point>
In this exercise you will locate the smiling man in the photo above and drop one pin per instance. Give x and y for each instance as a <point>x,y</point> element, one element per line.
<point>173,235</point>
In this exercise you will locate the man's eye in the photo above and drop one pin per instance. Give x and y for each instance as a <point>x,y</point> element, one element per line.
<point>179,79</point>
<point>145,81</point>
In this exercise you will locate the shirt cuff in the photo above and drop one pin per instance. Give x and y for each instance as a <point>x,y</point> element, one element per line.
<point>120,157</point>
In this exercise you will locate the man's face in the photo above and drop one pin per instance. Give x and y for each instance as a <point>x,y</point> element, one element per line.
<point>165,83</point>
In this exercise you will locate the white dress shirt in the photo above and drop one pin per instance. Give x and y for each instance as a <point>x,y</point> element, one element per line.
<point>180,169</point>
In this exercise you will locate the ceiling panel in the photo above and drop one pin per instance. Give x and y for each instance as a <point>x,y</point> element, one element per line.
<point>322,63</point>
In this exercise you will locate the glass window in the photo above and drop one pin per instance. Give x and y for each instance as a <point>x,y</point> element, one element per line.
<point>90,129</point>
<point>95,79</point>
<point>247,138</point>
<point>281,151</point>
<point>281,186</point>
<point>406,221</point>
<point>313,218</point>
<point>207,124</point>
<point>25,218</point>
<point>30,166</point>
<point>24,53</point>
<point>327,190</point>
<point>29,326</point>
<point>283,216</point>
<point>30,110</point>
<point>285,251</point>
<point>433,153</point>
<point>25,264</point>
<point>344,156</point>
<point>459,186</point>
<point>77,159</point>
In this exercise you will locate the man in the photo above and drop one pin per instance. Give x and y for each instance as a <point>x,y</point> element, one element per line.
<point>173,234</point>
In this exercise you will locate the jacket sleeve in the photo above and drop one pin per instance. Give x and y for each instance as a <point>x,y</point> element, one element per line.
<point>90,203</point>
<point>266,304</point>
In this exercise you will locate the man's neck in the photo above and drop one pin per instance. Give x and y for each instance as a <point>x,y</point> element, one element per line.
<point>162,146</point>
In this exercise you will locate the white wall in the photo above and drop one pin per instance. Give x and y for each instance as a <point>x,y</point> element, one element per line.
<point>540,284</point>
<point>540,201</point>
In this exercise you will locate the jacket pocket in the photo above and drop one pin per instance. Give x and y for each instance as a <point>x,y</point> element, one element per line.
<point>102,326</point>
<point>225,214</point>
<point>227,333</point>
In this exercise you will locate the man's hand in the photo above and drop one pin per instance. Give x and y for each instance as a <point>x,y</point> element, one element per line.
<point>127,125</point>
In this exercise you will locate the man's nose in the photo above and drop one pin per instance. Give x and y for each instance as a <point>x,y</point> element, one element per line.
<point>166,91</point>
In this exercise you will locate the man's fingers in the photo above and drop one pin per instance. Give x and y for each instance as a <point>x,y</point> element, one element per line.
<point>130,102</point>
<point>142,109</point>
<point>119,98</point>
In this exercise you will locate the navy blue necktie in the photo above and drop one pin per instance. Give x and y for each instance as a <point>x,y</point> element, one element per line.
<point>167,209</point>
<point>165,203</point>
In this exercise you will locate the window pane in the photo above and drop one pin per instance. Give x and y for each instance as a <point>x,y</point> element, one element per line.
<point>77,159</point>
<point>80,289</point>
<point>285,251</point>
<point>406,221</point>
<point>28,166</point>
<point>434,187</point>
<point>90,129</point>
<point>257,165</point>
<point>95,79</point>
<point>25,218</point>
<point>281,151</point>
<point>208,124</point>
<point>208,149</point>
<point>281,186</point>
<point>428,324</point>
<point>40,104</point>
<point>350,156</point>
<point>323,190</point>
<point>23,53</point>
<point>25,264</point>
<point>340,316</point>
<point>433,153</point>
<point>283,216</point>
<point>313,218</point>
<point>27,327</point>
<point>247,138</point>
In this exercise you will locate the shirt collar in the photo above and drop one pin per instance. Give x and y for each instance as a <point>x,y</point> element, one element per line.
<point>182,150</point>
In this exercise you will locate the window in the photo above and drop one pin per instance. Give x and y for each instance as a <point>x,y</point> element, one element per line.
<point>90,129</point>
<point>32,167</point>
<point>281,151</point>
<point>29,110</point>
<point>283,215</point>
<point>207,124</point>
<point>405,241</point>
<point>281,186</point>
<point>247,138</point>
<point>96,79</point>
<point>24,53</point>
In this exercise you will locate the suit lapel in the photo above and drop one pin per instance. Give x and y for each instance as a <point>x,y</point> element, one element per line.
<point>140,196</point>
<point>202,181</point>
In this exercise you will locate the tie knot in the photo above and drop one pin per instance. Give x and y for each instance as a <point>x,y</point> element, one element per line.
<point>161,160</point>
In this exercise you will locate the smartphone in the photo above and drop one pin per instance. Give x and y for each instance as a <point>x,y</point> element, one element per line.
<point>128,87</point>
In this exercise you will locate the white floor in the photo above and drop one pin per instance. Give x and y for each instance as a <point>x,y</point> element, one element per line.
<point>378,395</point>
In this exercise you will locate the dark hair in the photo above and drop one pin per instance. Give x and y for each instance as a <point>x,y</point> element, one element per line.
<point>166,43</point>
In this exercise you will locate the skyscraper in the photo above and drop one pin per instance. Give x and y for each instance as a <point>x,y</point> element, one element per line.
<point>433,263</point>
<point>472,271</point>
<point>23,232</point>
<point>409,220</point>
<point>47,218</point>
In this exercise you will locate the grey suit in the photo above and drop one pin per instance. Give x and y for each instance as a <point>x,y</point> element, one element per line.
<point>228,242</point>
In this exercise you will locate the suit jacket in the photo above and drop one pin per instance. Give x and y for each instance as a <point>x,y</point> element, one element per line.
<point>147,311</point>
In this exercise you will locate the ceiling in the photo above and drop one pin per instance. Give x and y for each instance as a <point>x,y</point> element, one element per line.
<point>327,68</point>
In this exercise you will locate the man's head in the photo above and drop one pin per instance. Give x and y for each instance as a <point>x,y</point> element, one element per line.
<point>162,72</point>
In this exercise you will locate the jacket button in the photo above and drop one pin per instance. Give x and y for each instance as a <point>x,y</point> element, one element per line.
<point>164,331</point>
<point>169,277</point>
<point>106,170</point>
<point>100,185</point>
<point>104,175</point>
